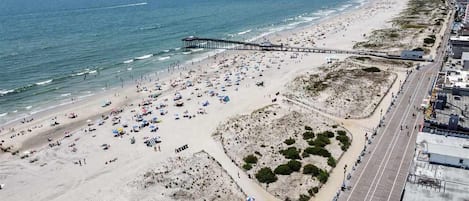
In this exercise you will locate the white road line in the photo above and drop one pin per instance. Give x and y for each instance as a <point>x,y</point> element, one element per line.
<point>391,146</point>
<point>379,141</point>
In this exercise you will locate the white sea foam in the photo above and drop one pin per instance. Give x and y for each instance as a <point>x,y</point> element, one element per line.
<point>197,49</point>
<point>244,32</point>
<point>64,95</point>
<point>166,50</point>
<point>3,114</point>
<point>129,69</point>
<point>144,57</point>
<point>5,92</point>
<point>178,48</point>
<point>186,52</point>
<point>129,61</point>
<point>44,82</point>
<point>93,71</point>
<point>28,107</point>
<point>164,58</point>
<point>15,111</point>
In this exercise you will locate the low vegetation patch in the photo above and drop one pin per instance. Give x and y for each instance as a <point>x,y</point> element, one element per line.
<point>265,175</point>
<point>371,70</point>
<point>291,153</point>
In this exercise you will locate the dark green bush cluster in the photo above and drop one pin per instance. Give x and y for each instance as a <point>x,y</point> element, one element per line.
<point>247,166</point>
<point>313,191</point>
<point>323,176</point>
<point>344,141</point>
<point>308,135</point>
<point>289,141</point>
<point>283,169</point>
<point>341,132</point>
<point>265,175</point>
<point>250,159</point>
<point>371,70</point>
<point>320,151</point>
<point>331,161</point>
<point>320,141</point>
<point>286,169</point>
<point>314,171</point>
<point>291,153</point>
<point>311,170</point>
<point>304,197</point>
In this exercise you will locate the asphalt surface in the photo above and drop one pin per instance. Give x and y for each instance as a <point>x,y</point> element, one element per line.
<point>382,173</point>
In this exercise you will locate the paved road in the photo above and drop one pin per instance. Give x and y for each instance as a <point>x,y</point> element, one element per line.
<point>382,174</point>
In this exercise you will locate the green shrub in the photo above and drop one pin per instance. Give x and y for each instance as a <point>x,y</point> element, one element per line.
<point>250,159</point>
<point>313,191</point>
<point>247,166</point>
<point>311,170</point>
<point>371,70</point>
<point>428,40</point>
<point>289,141</point>
<point>329,134</point>
<point>320,151</point>
<point>283,170</point>
<point>304,154</point>
<point>304,197</point>
<point>265,175</point>
<point>341,132</point>
<point>331,161</point>
<point>308,128</point>
<point>323,176</point>
<point>294,165</point>
<point>345,142</point>
<point>291,153</point>
<point>308,135</point>
<point>320,141</point>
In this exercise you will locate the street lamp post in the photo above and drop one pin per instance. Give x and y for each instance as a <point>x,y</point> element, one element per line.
<point>345,171</point>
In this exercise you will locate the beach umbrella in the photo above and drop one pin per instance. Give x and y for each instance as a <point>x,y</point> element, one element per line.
<point>250,198</point>
<point>115,131</point>
<point>120,130</point>
<point>226,99</point>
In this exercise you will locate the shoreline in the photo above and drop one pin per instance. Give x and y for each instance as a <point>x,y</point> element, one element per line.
<point>50,108</point>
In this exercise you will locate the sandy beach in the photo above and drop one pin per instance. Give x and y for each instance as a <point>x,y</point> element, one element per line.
<point>159,136</point>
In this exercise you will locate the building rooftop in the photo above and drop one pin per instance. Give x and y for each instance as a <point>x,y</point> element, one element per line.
<point>459,38</point>
<point>443,145</point>
<point>465,56</point>
<point>431,182</point>
<point>445,150</point>
<point>456,105</point>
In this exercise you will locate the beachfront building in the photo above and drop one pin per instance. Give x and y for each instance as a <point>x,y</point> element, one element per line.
<point>447,111</point>
<point>448,155</point>
<point>459,45</point>
<point>465,61</point>
<point>439,169</point>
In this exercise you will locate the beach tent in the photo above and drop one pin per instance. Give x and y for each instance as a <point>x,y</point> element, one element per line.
<point>205,103</point>
<point>177,96</point>
<point>226,99</point>
<point>135,128</point>
<point>153,128</point>
<point>250,198</point>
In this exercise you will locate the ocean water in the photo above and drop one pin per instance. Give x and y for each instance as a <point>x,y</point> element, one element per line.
<point>55,50</point>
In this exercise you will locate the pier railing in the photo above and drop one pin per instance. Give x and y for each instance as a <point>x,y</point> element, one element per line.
<point>193,42</point>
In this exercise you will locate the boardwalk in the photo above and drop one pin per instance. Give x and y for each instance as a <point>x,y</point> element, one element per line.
<point>193,42</point>
<point>383,173</point>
